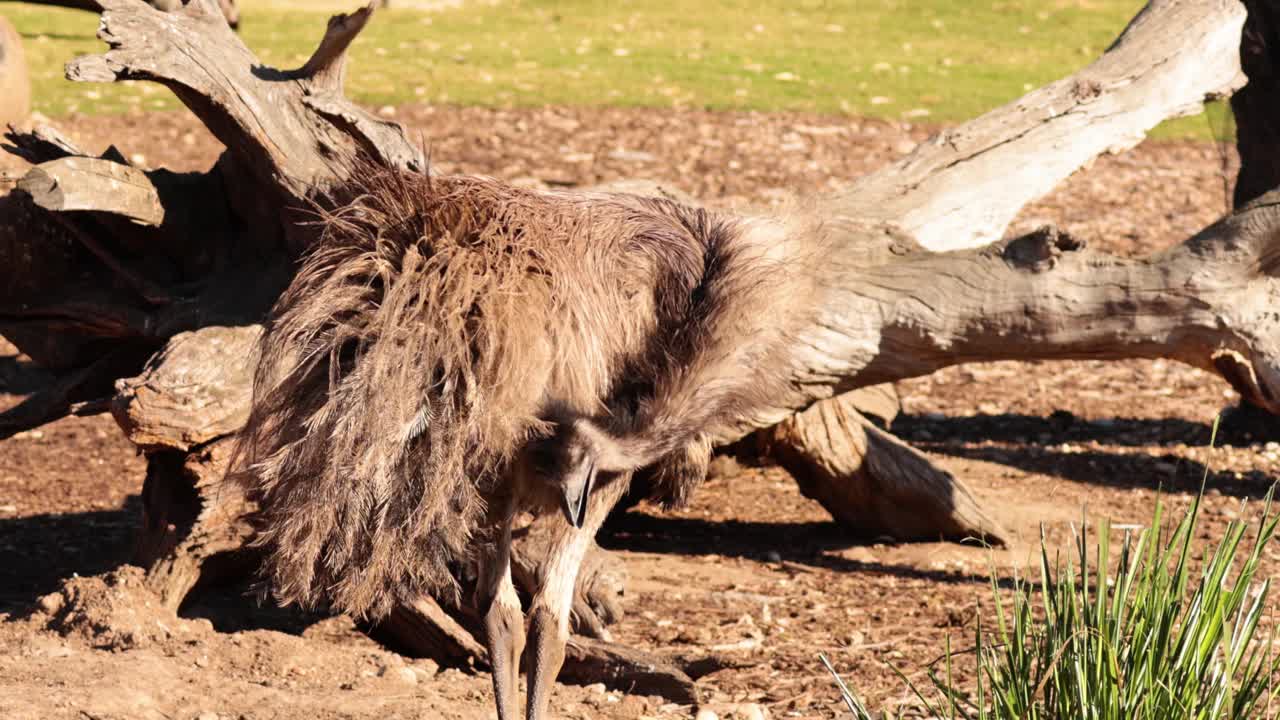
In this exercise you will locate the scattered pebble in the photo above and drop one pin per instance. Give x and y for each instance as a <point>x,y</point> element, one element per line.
<point>51,603</point>
<point>631,156</point>
<point>401,673</point>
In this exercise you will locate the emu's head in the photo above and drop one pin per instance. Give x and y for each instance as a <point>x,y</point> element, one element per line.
<point>576,466</point>
<point>572,459</point>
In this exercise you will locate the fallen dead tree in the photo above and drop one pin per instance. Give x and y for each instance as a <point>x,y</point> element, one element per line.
<point>107,267</point>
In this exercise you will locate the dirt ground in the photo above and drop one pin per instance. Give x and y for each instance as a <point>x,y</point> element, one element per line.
<point>751,570</point>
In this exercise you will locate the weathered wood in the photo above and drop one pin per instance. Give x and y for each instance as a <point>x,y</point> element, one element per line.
<point>195,524</point>
<point>292,132</point>
<point>587,662</point>
<point>42,143</point>
<point>193,392</point>
<point>80,183</point>
<point>425,629</point>
<point>961,188</point>
<point>1202,300</point>
<point>872,482</point>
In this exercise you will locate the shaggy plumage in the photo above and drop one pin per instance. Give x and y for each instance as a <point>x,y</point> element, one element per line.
<point>441,327</point>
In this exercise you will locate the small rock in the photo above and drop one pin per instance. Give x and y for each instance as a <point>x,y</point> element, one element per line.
<point>51,603</point>
<point>202,661</point>
<point>387,111</point>
<point>773,556</point>
<point>750,711</point>
<point>597,688</point>
<point>207,716</point>
<point>706,714</point>
<point>631,156</point>
<point>402,673</point>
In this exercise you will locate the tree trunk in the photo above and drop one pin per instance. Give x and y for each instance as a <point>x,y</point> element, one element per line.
<point>96,277</point>
<point>961,188</point>
<point>1257,105</point>
<point>15,82</point>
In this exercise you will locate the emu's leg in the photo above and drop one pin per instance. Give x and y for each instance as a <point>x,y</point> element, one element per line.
<point>553,600</point>
<point>503,624</point>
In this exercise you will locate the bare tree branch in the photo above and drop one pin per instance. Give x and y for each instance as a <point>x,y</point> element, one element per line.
<point>961,188</point>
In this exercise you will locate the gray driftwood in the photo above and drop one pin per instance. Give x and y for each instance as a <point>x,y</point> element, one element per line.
<point>78,183</point>
<point>92,293</point>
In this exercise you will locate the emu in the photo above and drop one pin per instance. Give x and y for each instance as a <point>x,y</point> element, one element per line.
<point>454,352</point>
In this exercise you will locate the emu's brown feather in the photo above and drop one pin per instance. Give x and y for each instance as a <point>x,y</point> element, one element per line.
<point>441,325</point>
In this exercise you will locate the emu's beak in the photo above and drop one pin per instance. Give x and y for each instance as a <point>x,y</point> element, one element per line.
<point>576,488</point>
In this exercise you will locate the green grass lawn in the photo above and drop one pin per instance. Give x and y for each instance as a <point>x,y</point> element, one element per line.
<point>927,60</point>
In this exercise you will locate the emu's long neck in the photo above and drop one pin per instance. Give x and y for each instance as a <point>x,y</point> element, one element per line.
<point>619,453</point>
<point>727,343</point>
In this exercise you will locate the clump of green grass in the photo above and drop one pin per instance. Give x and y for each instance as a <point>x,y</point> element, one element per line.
<point>926,60</point>
<point>1143,642</point>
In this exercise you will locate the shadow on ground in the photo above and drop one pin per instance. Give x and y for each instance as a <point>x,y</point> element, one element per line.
<point>38,551</point>
<point>1036,445</point>
<point>797,545</point>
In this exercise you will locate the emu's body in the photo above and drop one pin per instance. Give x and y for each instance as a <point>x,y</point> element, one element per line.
<point>456,351</point>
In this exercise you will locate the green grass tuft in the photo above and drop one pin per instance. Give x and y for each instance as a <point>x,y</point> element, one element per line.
<point>1151,640</point>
